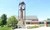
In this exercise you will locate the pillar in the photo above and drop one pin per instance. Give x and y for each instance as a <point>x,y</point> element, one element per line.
<point>45,23</point>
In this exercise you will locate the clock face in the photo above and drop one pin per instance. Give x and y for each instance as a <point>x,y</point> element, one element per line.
<point>21,6</point>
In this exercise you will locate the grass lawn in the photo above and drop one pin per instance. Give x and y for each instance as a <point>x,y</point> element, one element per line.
<point>5,28</point>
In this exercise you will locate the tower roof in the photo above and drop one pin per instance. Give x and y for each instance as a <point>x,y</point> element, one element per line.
<point>21,3</point>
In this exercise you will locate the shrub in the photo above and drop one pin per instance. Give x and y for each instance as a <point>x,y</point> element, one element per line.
<point>30,27</point>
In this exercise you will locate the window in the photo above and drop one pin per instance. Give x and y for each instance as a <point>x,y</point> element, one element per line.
<point>41,22</point>
<point>27,22</point>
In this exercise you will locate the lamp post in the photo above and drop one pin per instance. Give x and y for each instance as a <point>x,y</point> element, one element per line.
<point>22,14</point>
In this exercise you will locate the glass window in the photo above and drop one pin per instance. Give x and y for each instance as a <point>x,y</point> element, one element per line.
<point>27,22</point>
<point>41,22</point>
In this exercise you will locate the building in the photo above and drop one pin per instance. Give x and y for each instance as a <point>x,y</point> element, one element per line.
<point>31,19</point>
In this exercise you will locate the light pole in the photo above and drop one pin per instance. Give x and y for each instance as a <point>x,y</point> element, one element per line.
<point>22,14</point>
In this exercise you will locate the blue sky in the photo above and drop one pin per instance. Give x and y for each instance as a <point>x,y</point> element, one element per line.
<point>39,8</point>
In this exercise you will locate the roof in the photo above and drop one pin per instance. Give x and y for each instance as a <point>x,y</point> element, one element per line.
<point>48,20</point>
<point>31,17</point>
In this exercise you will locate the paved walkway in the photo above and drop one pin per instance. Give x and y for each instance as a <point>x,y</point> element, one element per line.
<point>41,28</point>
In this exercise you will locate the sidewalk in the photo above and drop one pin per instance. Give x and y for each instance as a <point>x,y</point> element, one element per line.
<point>41,28</point>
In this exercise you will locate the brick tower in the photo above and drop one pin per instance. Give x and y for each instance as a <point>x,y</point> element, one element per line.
<point>21,15</point>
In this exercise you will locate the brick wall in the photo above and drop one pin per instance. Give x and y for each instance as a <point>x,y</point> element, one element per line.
<point>36,22</point>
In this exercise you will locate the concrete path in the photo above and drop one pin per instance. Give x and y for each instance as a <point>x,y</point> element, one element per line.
<point>41,28</point>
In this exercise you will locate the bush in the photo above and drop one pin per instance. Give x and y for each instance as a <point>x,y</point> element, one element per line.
<point>13,27</point>
<point>30,27</point>
<point>41,25</point>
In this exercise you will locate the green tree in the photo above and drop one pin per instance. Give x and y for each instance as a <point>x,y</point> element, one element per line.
<point>12,21</point>
<point>48,18</point>
<point>0,21</point>
<point>4,19</point>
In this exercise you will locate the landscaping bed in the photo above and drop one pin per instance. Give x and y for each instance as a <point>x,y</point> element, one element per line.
<point>30,27</point>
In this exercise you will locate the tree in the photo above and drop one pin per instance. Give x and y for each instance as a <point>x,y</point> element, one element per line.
<point>48,18</point>
<point>4,19</point>
<point>12,21</point>
<point>0,21</point>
